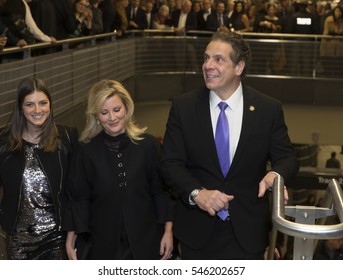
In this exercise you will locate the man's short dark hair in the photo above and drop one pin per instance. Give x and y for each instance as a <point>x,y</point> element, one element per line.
<point>241,49</point>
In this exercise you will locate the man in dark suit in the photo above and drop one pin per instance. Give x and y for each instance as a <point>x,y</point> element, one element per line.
<point>148,13</point>
<point>184,19</point>
<point>190,163</point>
<point>218,20</point>
<point>203,14</point>
<point>8,39</point>
<point>136,16</point>
<point>109,14</point>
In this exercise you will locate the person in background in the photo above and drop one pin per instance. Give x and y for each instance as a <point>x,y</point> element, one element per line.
<point>203,14</point>
<point>16,14</point>
<point>44,14</point>
<point>172,6</point>
<point>329,249</point>
<point>303,21</point>
<point>10,40</point>
<point>109,15</point>
<point>121,21</point>
<point>331,49</point>
<point>184,19</point>
<point>239,19</point>
<point>7,39</point>
<point>161,19</point>
<point>268,23</point>
<point>35,156</point>
<point>136,16</point>
<point>64,17</point>
<point>97,22</point>
<point>217,20</point>
<point>333,162</point>
<point>148,6</point>
<point>284,13</point>
<point>196,7</point>
<point>117,195</point>
<point>3,41</point>
<point>252,17</point>
<point>158,4</point>
<point>230,7</point>
<point>83,18</point>
<point>216,147</point>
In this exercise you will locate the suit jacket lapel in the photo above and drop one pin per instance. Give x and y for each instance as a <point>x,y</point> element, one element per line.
<point>204,117</point>
<point>249,106</point>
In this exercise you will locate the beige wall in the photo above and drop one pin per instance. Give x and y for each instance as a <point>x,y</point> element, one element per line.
<point>302,121</point>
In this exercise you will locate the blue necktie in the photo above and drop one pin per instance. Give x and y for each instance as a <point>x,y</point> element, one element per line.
<point>223,147</point>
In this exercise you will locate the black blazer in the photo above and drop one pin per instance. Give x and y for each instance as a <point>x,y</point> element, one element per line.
<point>112,195</point>
<point>189,161</point>
<point>149,24</point>
<point>11,40</point>
<point>140,18</point>
<point>56,167</point>
<point>212,23</point>
<point>109,14</point>
<point>191,21</point>
<point>201,21</point>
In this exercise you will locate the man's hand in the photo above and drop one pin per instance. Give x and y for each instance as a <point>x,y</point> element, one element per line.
<point>3,41</point>
<point>21,43</point>
<point>267,183</point>
<point>212,201</point>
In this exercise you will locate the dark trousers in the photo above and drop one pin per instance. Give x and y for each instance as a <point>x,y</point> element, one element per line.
<point>222,245</point>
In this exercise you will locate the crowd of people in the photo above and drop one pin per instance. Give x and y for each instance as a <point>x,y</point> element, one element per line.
<point>25,22</point>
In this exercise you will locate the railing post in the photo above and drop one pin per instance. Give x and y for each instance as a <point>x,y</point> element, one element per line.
<point>303,247</point>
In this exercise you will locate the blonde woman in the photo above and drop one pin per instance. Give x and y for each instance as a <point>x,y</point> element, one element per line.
<point>161,19</point>
<point>118,200</point>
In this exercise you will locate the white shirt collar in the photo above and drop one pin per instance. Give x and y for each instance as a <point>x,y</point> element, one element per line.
<point>233,101</point>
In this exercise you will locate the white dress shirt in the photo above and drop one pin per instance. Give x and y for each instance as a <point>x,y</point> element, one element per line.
<point>148,18</point>
<point>234,114</point>
<point>182,20</point>
<point>205,15</point>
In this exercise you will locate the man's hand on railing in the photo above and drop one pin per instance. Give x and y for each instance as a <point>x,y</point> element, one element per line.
<point>21,43</point>
<point>3,41</point>
<point>267,184</point>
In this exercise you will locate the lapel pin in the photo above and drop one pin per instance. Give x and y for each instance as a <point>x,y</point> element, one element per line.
<point>252,108</point>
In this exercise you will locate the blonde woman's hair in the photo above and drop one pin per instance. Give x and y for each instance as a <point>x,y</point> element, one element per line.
<point>121,13</point>
<point>97,95</point>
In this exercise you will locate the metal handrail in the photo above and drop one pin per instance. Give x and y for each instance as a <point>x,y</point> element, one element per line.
<point>41,45</point>
<point>261,36</point>
<point>306,230</point>
<point>333,202</point>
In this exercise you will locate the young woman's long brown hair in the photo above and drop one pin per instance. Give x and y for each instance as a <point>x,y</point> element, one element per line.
<point>12,133</point>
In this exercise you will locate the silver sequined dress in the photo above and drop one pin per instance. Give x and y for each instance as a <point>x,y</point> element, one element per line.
<point>36,235</point>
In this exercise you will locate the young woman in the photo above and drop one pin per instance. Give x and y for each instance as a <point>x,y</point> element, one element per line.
<point>35,156</point>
